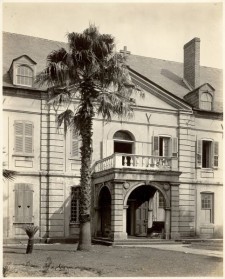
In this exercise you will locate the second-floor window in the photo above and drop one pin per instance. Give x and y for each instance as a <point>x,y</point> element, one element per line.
<point>207,154</point>
<point>23,131</point>
<point>24,76</point>
<point>75,145</point>
<point>164,146</point>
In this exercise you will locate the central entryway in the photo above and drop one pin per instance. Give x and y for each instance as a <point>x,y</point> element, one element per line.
<point>145,211</point>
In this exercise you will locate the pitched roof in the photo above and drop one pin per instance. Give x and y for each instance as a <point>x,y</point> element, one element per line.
<point>166,74</point>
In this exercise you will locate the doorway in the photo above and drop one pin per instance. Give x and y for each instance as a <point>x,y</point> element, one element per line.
<point>105,211</point>
<point>145,212</point>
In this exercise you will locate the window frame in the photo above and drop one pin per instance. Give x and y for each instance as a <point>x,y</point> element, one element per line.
<point>172,146</point>
<point>19,66</point>
<point>23,136</point>
<point>211,207</point>
<point>206,104</point>
<point>213,154</point>
<point>24,190</point>
<point>75,138</point>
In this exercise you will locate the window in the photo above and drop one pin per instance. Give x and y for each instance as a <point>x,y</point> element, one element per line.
<point>75,192</point>
<point>206,101</point>
<point>207,204</point>
<point>23,137</point>
<point>123,142</point>
<point>165,146</point>
<point>23,203</point>
<point>161,200</point>
<point>207,154</point>
<point>75,145</point>
<point>24,76</point>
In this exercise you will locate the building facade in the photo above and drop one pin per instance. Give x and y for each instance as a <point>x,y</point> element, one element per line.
<point>160,171</point>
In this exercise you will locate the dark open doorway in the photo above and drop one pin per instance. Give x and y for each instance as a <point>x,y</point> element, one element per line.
<point>105,211</point>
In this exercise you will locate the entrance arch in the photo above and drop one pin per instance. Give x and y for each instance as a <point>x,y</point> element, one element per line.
<point>147,211</point>
<point>104,204</point>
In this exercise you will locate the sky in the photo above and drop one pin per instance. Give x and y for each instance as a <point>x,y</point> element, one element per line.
<point>157,30</point>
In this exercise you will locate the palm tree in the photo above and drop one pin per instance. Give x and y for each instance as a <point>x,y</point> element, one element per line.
<point>93,73</point>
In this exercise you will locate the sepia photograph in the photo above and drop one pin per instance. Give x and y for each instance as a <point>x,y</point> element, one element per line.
<point>112,138</point>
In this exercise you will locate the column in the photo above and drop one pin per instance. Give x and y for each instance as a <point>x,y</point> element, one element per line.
<point>167,222</point>
<point>175,234</point>
<point>117,212</point>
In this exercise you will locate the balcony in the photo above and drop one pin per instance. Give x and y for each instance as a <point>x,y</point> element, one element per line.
<point>138,162</point>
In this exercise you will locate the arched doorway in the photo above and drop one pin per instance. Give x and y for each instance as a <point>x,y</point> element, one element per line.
<point>124,143</point>
<point>105,211</point>
<point>146,212</point>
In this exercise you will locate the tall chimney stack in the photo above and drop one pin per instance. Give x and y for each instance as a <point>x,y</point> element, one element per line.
<point>192,63</point>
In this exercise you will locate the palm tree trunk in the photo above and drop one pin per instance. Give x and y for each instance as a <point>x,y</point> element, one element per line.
<point>85,189</point>
<point>30,245</point>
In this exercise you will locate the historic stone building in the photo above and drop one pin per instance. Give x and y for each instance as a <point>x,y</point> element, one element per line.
<point>160,171</point>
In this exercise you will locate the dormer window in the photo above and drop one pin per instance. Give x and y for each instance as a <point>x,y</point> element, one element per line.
<point>24,75</point>
<point>22,71</point>
<point>206,101</point>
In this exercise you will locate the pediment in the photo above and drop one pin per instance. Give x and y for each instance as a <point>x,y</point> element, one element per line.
<point>24,59</point>
<point>157,97</point>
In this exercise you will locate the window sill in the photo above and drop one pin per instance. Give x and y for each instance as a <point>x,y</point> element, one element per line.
<point>207,169</point>
<point>74,224</point>
<point>75,159</point>
<point>23,155</point>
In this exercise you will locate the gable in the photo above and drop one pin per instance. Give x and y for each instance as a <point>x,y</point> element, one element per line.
<point>155,96</point>
<point>24,59</point>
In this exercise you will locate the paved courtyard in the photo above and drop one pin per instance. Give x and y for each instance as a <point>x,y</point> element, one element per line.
<point>63,260</point>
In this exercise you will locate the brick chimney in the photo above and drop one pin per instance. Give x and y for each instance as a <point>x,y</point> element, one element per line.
<point>192,63</point>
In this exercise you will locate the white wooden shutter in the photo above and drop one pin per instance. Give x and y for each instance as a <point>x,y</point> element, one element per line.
<point>155,146</point>
<point>74,144</point>
<point>23,203</point>
<point>28,137</point>
<point>174,147</point>
<point>19,140</point>
<point>110,147</point>
<point>215,154</point>
<point>199,154</point>
<point>107,148</point>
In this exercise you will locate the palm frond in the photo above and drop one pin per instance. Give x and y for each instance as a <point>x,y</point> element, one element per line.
<point>115,103</point>
<point>65,118</point>
<point>9,174</point>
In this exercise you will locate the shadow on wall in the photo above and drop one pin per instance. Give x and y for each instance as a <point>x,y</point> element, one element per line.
<point>58,223</point>
<point>187,223</point>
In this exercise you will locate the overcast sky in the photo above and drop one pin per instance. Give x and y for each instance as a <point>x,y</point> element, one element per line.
<point>147,29</point>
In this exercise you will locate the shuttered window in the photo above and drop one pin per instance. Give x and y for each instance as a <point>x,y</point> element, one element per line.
<point>207,154</point>
<point>75,145</point>
<point>164,146</point>
<point>23,203</point>
<point>23,137</point>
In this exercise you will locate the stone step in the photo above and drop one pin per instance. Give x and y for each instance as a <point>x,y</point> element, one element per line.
<point>131,241</point>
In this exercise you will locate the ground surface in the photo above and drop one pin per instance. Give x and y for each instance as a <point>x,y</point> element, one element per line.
<point>63,260</point>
